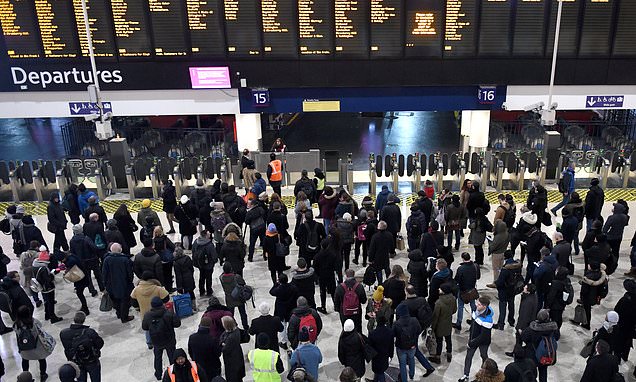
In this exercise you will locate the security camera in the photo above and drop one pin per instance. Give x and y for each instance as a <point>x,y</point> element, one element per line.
<point>504,106</point>
<point>107,116</point>
<point>534,107</point>
<point>91,117</point>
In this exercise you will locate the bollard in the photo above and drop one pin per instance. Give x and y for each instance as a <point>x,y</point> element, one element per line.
<point>130,179</point>
<point>485,174</point>
<point>350,173</point>
<point>521,175</point>
<point>605,173</point>
<point>341,178</point>
<point>229,177</point>
<point>417,175</point>
<point>176,175</point>
<point>99,181</point>
<point>372,174</point>
<point>154,183</point>
<point>626,172</point>
<point>223,172</point>
<point>323,163</point>
<point>13,180</point>
<point>37,185</point>
<point>500,168</point>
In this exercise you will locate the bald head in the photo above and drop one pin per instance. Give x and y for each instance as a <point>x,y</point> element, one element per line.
<point>93,217</point>
<point>115,248</point>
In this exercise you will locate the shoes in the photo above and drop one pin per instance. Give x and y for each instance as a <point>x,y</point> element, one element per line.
<point>457,247</point>
<point>578,301</point>
<point>94,293</point>
<point>283,345</point>
<point>491,285</point>
<point>509,354</point>
<point>56,319</point>
<point>586,326</point>
<point>322,310</point>
<point>449,357</point>
<point>250,259</point>
<point>5,331</point>
<point>126,319</point>
<point>511,323</point>
<point>85,310</point>
<point>469,321</point>
<point>38,303</point>
<point>170,232</point>
<point>364,264</point>
<point>463,379</point>
<point>355,261</point>
<point>44,377</point>
<point>435,359</point>
<point>498,326</point>
<point>553,212</point>
<point>286,268</point>
<point>428,372</point>
<point>457,327</point>
<point>150,347</point>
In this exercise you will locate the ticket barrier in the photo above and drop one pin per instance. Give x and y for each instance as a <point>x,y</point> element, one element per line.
<point>514,170</point>
<point>372,174</point>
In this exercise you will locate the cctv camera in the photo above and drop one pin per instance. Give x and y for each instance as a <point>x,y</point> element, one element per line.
<point>534,106</point>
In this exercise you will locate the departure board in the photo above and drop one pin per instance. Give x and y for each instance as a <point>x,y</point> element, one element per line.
<point>597,25</point>
<point>242,28</point>
<point>57,28</point>
<point>569,28</point>
<point>19,29</point>
<point>206,31</point>
<point>529,28</point>
<point>386,28</point>
<point>625,38</point>
<point>315,27</point>
<point>131,28</point>
<point>352,28</point>
<point>424,28</point>
<point>459,34</point>
<point>100,26</point>
<point>280,34</point>
<point>494,28</point>
<point>167,27</point>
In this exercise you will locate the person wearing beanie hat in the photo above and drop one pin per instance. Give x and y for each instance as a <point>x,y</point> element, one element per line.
<point>306,355</point>
<point>378,306</point>
<point>259,186</point>
<point>539,329</point>
<point>594,200</point>
<point>268,325</point>
<point>69,372</point>
<point>275,248</point>
<point>489,372</point>
<point>610,333</point>
<point>349,310</point>
<point>146,212</point>
<point>261,359</point>
<point>380,248</point>
<point>407,330</point>
<point>184,370</point>
<point>94,208</point>
<point>78,330</point>
<point>162,337</point>
<point>351,348</point>
<point>229,281</point>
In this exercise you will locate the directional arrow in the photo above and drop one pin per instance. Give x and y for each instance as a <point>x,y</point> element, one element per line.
<point>591,103</point>
<point>76,108</point>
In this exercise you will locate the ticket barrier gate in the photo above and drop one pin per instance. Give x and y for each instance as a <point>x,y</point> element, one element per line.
<point>516,169</point>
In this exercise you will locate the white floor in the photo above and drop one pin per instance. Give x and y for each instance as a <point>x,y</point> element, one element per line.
<point>126,358</point>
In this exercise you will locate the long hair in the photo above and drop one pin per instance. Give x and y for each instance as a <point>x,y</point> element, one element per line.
<point>398,272</point>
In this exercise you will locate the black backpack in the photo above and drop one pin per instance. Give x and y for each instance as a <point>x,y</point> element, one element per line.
<point>509,217</point>
<point>26,339</point>
<point>569,290</point>
<point>313,240</point>
<point>369,276</point>
<point>416,229</point>
<point>83,350</point>
<point>561,185</point>
<point>157,329</point>
<point>516,283</point>
<point>525,375</point>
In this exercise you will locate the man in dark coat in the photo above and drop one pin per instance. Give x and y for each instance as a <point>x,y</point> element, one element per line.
<point>466,278</point>
<point>302,309</point>
<point>286,295</point>
<point>161,324</point>
<point>381,199</point>
<point>84,248</point>
<point>476,199</point>
<point>92,366</point>
<point>532,335</point>
<point>392,215</point>
<point>30,232</point>
<point>442,275</point>
<point>418,307</point>
<point>94,207</point>
<point>350,283</point>
<point>594,203</point>
<point>118,279</point>
<point>305,185</point>
<point>614,228</point>
<point>505,289</point>
<point>602,366</point>
<point>148,260</point>
<point>205,350</point>
<point>521,367</point>
<point>92,228</point>
<point>57,222</point>
<point>17,296</point>
<point>627,314</point>
<point>562,249</point>
<point>215,312</point>
<point>418,269</point>
<point>382,244</point>
<point>268,324</point>
<point>304,280</point>
<point>406,330</point>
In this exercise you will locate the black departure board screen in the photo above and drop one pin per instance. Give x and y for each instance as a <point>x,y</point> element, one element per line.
<point>625,38</point>
<point>529,30</point>
<point>315,27</point>
<point>597,25</point>
<point>57,28</point>
<point>280,34</point>
<point>167,27</point>
<point>569,28</point>
<point>424,28</point>
<point>19,29</point>
<point>461,28</point>
<point>99,24</point>
<point>494,28</point>
<point>386,28</point>
<point>131,28</point>
<point>206,31</point>
<point>242,28</point>
<point>352,28</point>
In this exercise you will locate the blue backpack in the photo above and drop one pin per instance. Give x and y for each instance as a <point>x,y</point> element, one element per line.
<point>545,353</point>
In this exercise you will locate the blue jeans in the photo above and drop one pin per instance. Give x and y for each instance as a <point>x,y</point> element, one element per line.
<point>94,370</point>
<point>450,238</point>
<point>406,356</point>
<point>379,377</point>
<point>460,310</point>
<point>326,222</point>
<point>588,224</point>
<point>422,359</point>
<point>566,200</point>
<point>148,341</point>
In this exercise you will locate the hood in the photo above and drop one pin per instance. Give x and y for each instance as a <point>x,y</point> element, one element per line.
<point>618,209</point>
<point>53,196</point>
<point>148,288</point>
<point>476,186</point>
<point>500,227</point>
<point>28,221</point>
<point>544,326</point>
<point>384,192</point>
<point>330,196</point>
<point>148,252</point>
<point>40,263</point>
<point>505,205</point>
<point>416,255</point>
<point>203,240</point>
<point>529,218</point>
<point>444,273</point>
<point>484,376</point>
<point>301,311</point>
<point>417,214</point>
<point>551,260</point>
<point>512,264</point>
<point>630,285</point>
<point>180,353</point>
<point>309,273</point>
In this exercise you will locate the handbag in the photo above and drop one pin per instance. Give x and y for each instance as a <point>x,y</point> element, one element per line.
<point>292,369</point>
<point>47,340</point>
<point>51,228</point>
<point>469,295</point>
<point>399,242</point>
<point>106,305</point>
<point>5,259</point>
<point>282,250</point>
<point>74,274</point>
<point>369,351</point>
<point>245,336</point>
<point>430,342</point>
<point>579,315</point>
<point>588,349</point>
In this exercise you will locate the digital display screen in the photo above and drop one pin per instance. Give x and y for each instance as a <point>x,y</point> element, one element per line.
<point>131,28</point>
<point>569,28</point>
<point>494,28</point>
<point>57,28</point>
<point>529,31</point>
<point>242,28</point>
<point>597,25</point>
<point>167,27</point>
<point>100,25</point>
<point>19,29</point>
<point>315,27</point>
<point>625,38</point>
<point>280,32</point>
<point>386,28</point>
<point>352,28</point>
<point>205,26</point>
<point>424,28</point>
<point>459,35</point>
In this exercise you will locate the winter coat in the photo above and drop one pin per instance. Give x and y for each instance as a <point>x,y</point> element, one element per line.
<point>598,253</point>
<point>615,224</point>
<point>480,328</point>
<point>406,330</point>
<point>148,260</point>
<point>484,376</point>
<point>82,200</point>
<point>279,220</point>
<point>73,260</point>
<point>234,253</point>
<point>476,199</point>
<point>112,235</point>
<point>168,338</point>
<point>68,335</point>
<point>445,307</point>
<point>554,299</point>
<point>274,262</point>
<point>561,251</point>
<point>145,291</point>
<point>215,313</point>
<point>270,325</point>
<point>439,278</point>
<point>145,212</point>
<point>351,351</point>
<point>186,215</point>
<point>394,290</point>
<point>378,309</point>
<point>544,273</point>
<point>594,201</point>
<point>535,242</point>
<point>73,207</point>
<point>253,218</point>
<point>420,309</point>
<point>478,229</point>
<point>55,215</point>
<point>293,328</point>
<point>205,350</point>
<point>416,219</point>
<point>127,227</point>
<point>344,207</point>
<point>419,275</point>
<point>430,243</point>
<point>381,339</point>
<point>381,199</point>
<point>382,244</point>
<point>570,228</point>
<point>97,209</point>
<point>233,358</point>
<point>501,240</point>
<point>392,215</point>
<point>527,310</point>
<point>576,208</point>
<point>514,371</point>
<point>304,281</point>
<point>325,264</point>
<point>600,368</point>
<point>345,229</point>
<point>184,273</point>
<point>455,216</point>
<point>627,314</point>
<point>310,356</point>
<point>17,295</point>
<point>305,184</point>
<point>591,286</point>
<point>43,275</point>
<point>169,196</point>
<point>466,276</point>
<point>505,288</point>
<point>285,303</point>
<point>533,334</point>
<point>538,202</point>
<point>117,272</point>
<point>500,212</point>
<point>229,281</point>
<point>568,180</point>
<point>338,297</point>
<point>327,205</point>
<point>26,267</point>
<point>203,248</point>
<point>30,232</point>
<point>39,352</point>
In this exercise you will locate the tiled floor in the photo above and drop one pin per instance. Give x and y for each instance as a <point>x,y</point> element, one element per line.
<point>126,358</point>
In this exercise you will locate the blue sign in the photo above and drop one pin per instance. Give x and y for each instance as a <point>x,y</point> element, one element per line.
<point>604,101</point>
<point>88,108</point>
<point>486,95</point>
<point>260,97</point>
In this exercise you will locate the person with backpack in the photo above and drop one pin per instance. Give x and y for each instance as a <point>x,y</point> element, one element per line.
<point>344,227</point>
<point>26,267</point>
<point>255,219</point>
<point>602,366</point>
<point>118,279</point>
<point>418,308</point>
<point>479,334</point>
<point>594,200</point>
<point>306,356</point>
<point>83,197</point>
<point>45,281</point>
<point>478,227</point>
<point>303,316</point>
<point>218,219</point>
<point>510,273</point>
<point>57,222</point>
<point>406,330</point>
<point>82,345</point>
<point>94,208</point>
<point>308,236</point>
<point>186,214</point>
<point>305,185</point>
<point>522,369</point>
<point>594,287</point>
<point>164,247</point>
<point>348,300</point>
<point>566,187</point>
<point>455,216</point>
<point>418,271</point>
<point>627,323</point>
<point>148,260</point>
<point>535,242</point>
<point>560,295</point>
<point>416,224</point>
<point>232,284</point>
<point>351,348</point>
<point>147,229</point>
<point>476,199</point>
<point>142,295</point>
<point>392,216</point>
<point>204,258</point>
<point>34,344</point>
<point>70,203</point>
<point>325,268</point>
<point>146,211</point>
<point>13,296</point>
<point>442,275</point>
<point>112,235</point>
<point>94,230</point>
<point>160,324</point>
<point>541,339</point>
<point>184,370</point>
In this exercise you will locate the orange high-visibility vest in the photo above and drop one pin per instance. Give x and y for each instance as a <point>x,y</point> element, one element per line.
<point>277,170</point>
<point>193,370</point>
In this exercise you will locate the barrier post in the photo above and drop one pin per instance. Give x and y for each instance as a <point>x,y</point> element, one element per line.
<point>154,183</point>
<point>500,168</point>
<point>395,173</point>
<point>372,174</point>
<point>37,185</point>
<point>200,175</point>
<point>522,174</point>
<point>462,171</point>
<point>223,172</point>
<point>485,172</point>
<point>13,180</point>
<point>340,175</point>
<point>229,176</point>
<point>417,174</point>
<point>605,173</point>
<point>176,175</point>
<point>350,173</point>
<point>323,163</point>
<point>61,181</point>
<point>540,171</point>
<point>99,181</point>
<point>130,179</point>
<point>626,171</point>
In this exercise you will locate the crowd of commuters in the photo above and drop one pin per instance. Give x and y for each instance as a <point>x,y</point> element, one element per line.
<point>384,311</point>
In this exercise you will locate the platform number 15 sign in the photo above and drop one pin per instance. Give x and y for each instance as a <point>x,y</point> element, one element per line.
<point>487,94</point>
<point>260,97</point>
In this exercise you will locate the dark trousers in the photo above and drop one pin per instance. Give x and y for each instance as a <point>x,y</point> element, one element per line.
<point>557,316</point>
<point>543,373</point>
<point>503,302</point>
<point>255,234</point>
<point>588,313</point>
<point>42,362</point>
<point>121,306</point>
<point>49,304</point>
<point>378,274</point>
<point>449,344</point>
<point>276,186</point>
<point>530,270</point>
<point>167,276</point>
<point>457,238</point>
<point>323,294</point>
<point>356,251</point>
<point>158,352</point>
<point>243,313</point>
<point>356,318</point>
<point>94,370</point>
<point>346,252</point>
<point>97,271</point>
<point>205,281</point>
<point>615,244</point>
<point>80,295</point>
<point>470,353</point>
<point>479,254</point>
<point>60,241</point>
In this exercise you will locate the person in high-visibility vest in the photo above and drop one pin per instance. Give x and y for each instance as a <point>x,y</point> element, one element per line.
<point>275,173</point>
<point>183,370</point>
<point>266,364</point>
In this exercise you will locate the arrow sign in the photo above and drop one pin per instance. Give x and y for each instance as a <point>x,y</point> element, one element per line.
<point>613,101</point>
<point>88,108</point>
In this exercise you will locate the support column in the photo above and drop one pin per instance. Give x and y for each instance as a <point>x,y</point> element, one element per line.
<point>248,132</point>
<point>465,130</point>
<point>479,130</point>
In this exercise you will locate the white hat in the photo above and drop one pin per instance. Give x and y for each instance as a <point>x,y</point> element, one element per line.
<point>42,248</point>
<point>349,326</point>
<point>184,199</point>
<point>264,308</point>
<point>529,218</point>
<point>347,216</point>
<point>612,317</point>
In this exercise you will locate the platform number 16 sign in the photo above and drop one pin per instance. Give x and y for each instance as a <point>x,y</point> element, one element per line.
<point>487,94</point>
<point>260,97</point>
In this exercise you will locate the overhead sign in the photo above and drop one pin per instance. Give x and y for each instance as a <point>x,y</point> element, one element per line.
<point>487,94</point>
<point>88,108</point>
<point>314,105</point>
<point>604,101</point>
<point>210,77</point>
<point>260,97</point>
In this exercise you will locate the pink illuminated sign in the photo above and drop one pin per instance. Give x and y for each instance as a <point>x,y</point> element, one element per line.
<point>211,77</point>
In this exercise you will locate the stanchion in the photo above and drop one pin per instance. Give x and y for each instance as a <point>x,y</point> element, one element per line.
<point>200,175</point>
<point>540,171</point>
<point>500,168</point>
<point>605,173</point>
<point>485,173</point>
<point>417,173</point>
<point>61,181</point>
<point>350,173</point>
<point>462,173</point>
<point>395,173</point>
<point>99,182</point>
<point>176,175</point>
<point>522,174</point>
<point>626,171</point>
